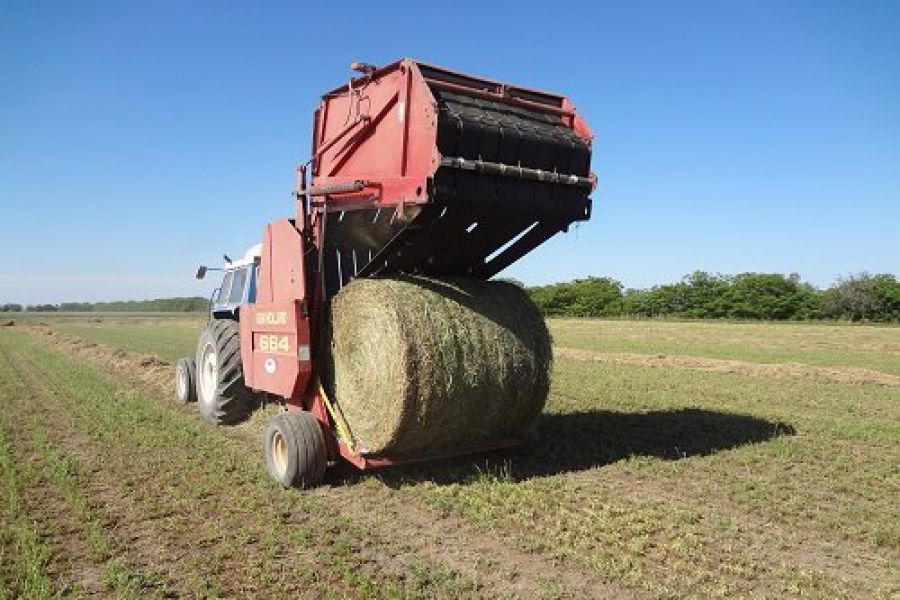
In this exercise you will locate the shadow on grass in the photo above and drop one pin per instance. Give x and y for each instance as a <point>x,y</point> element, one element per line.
<point>579,441</point>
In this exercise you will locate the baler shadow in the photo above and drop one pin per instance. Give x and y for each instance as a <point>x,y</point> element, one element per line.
<point>579,441</point>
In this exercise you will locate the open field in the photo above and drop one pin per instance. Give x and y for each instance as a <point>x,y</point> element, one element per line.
<point>808,343</point>
<point>674,460</point>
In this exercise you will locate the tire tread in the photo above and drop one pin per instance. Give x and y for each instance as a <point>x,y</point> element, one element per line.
<point>233,401</point>
<point>307,443</point>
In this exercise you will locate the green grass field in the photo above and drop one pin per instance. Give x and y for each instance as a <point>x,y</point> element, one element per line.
<point>169,339</point>
<point>652,479</point>
<point>809,343</point>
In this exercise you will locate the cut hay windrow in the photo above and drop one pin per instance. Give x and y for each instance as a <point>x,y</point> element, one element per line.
<point>422,365</point>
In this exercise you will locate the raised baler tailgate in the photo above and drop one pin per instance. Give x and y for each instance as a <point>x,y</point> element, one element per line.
<point>513,170</point>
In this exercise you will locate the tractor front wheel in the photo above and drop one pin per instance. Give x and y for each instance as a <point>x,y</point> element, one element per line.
<point>295,450</point>
<point>221,394</point>
<point>185,381</point>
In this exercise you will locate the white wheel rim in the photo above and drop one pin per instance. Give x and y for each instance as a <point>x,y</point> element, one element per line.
<point>209,373</point>
<point>181,383</point>
<point>279,453</point>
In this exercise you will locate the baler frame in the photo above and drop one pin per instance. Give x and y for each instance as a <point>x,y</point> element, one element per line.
<point>386,195</point>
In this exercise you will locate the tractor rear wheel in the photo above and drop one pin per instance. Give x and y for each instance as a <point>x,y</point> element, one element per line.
<point>221,394</point>
<point>185,381</point>
<point>295,450</point>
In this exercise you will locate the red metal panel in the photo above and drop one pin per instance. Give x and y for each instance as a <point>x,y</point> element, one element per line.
<point>383,133</point>
<point>578,124</point>
<point>275,332</point>
<point>275,335</point>
<point>282,272</point>
<point>381,130</point>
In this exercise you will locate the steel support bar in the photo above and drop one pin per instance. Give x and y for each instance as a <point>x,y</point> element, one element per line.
<point>334,188</point>
<point>492,168</point>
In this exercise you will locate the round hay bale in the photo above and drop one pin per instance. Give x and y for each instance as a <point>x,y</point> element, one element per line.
<point>423,365</point>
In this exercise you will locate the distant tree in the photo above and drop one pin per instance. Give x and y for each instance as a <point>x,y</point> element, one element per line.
<point>188,304</point>
<point>591,297</point>
<point>863,297</point>
<point>770,296</point>
<point>666,300</point>
<point>42,308</point>
<point>698,295</point>
<point>597,297</point>
<point>75,307</point>
<point>703,295</point>
<point>554,300</point>
<point>11,308</point>
<point>637,303</point>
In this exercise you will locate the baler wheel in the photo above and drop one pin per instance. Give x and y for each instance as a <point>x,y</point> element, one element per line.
<point>295,450</point>
<point>185,381</point>
<point>221,394</point>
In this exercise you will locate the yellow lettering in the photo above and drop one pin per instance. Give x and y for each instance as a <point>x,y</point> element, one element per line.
<point>272,318</point>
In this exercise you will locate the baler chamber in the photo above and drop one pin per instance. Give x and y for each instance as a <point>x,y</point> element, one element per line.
<point>423,170</point>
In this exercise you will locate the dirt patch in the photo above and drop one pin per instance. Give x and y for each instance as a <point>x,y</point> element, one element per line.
<point>855,375</point>
<point>133,536</point>
<point>153,361</point>
<point>73,566</point>
<point>501,569</point>
<point>166,532</point>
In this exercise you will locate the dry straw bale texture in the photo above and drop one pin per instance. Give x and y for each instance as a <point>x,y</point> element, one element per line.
<point>424,365</point>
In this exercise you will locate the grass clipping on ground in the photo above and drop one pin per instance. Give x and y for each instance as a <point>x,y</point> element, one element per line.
<point>425,365</point>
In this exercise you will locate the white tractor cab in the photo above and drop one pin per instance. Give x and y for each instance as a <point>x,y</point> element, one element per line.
<point>238,284</point>
<point>200,380</point>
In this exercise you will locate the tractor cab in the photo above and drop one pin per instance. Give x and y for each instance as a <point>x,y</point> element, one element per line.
<point>238,285</point>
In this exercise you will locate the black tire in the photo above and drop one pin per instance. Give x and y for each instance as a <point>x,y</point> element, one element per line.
<point>222,397</point>
<point>295,450</point>
<point>185,381</point>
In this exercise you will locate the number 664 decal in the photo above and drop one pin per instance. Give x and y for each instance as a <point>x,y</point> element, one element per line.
<point>274,343</point>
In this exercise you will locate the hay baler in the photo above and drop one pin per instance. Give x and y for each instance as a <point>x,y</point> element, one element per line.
<point>415,169</point>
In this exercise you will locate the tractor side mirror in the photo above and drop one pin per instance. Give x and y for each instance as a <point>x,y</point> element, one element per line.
<point>201,272</point>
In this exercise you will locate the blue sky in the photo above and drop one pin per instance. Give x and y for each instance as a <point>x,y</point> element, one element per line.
<point>140,139</point>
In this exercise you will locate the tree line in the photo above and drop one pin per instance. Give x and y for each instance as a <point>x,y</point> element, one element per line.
<point>188,304</point>
<point>702,295</point>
